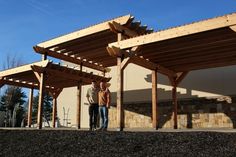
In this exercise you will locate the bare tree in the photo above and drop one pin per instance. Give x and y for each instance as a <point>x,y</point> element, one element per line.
<point>11,61</point>
<point>12,96</point>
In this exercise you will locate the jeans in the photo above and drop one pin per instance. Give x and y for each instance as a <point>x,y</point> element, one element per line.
<point>93,113</point>
<point>103,111</point>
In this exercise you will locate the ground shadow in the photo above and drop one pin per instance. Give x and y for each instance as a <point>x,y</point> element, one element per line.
<point>186,106</point>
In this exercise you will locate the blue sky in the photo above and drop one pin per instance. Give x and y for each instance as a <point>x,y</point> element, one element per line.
<point>24,23</point>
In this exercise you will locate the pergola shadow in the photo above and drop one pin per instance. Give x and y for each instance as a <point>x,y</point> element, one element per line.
<point>190,107</point>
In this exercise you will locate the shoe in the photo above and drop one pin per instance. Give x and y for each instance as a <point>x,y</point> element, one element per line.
<point>99,129</point>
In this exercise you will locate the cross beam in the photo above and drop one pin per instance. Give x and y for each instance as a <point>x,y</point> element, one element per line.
<point>68,58</point>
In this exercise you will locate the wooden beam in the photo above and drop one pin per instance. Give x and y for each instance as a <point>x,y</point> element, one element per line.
<point>125,62</point>
<point>37,74</point>
<point>180,77</point>
<point>84,32</point>
<point>44,57</point>
<point>175,107</point>
<point>154,100</point>
<point>54,112</point>
<point>117,28</point>
<point>111,51</point>
<point>141,62</point>
<point>233,28</point>
<point>67,58</point>
<point>23,68</point>
<point>57,92</point>
<point>31,95</point>
<point>120,84</point>
<point>152,66</point>
<point>175,82</point>
<point>198,56</point>
<point>172,52</point>
<point>40,103</point>
<point>78,116</point>
<point>197,27</point>
<point>1,82</point>
<point>72,76</point>
<point>20,84</point>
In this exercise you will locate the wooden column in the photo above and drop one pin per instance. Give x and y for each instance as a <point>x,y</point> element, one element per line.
<point>79,90</point>
<point>120,82</point>
<point>175,106</point>
<point>54,112</point>
<point>44,57</point>
<point>40,104</point>
<point>175,81</point>
<point>31,94</point>
<point>154,100</point>
<point>120,109</point>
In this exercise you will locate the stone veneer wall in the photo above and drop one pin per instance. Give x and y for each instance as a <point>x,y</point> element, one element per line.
<point>192,113</point>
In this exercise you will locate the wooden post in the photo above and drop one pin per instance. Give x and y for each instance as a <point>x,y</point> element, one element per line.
<point>54,112</point>
<point>154,100</point>
<point>175,106</point>
<point>104,73</point>
<point>120,81</point>
<point>44,57</point>
<point>120,109</point>
<point>1,84</point>
<point>78,104</point>
<point>40,104</point>
<point>31,94</point>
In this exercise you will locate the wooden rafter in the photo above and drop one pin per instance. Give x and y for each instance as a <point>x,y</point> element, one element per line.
<point>125,31</point>
<point>55,76</point>
<point>1,83</point>
<point>19,84</point>
<point>84,32</point>
<point>67,58</point>
<point>23,68</point>
<point>233,27</point>
<point>141,61</point>
<point>152,66</point>
<point>117,28</point>
<point>202,26</point>
<point>125,62</point>
<point>175,81</point>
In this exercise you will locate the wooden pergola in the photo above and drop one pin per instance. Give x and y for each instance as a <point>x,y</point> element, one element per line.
<point>88,47</point>
<point>50,77</point>
<point>173,52</point>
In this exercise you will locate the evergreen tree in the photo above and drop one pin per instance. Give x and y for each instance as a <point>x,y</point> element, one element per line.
<point>12,101</point>
<point>47,107</point>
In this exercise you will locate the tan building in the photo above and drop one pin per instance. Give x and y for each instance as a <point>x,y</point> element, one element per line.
<point>211,83</point>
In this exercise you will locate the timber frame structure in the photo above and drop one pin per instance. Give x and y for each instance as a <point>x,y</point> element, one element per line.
<point>48,77</point>
<point>173,52</point>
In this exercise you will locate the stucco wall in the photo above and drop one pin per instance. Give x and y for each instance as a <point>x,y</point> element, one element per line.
<point>137,87</point>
